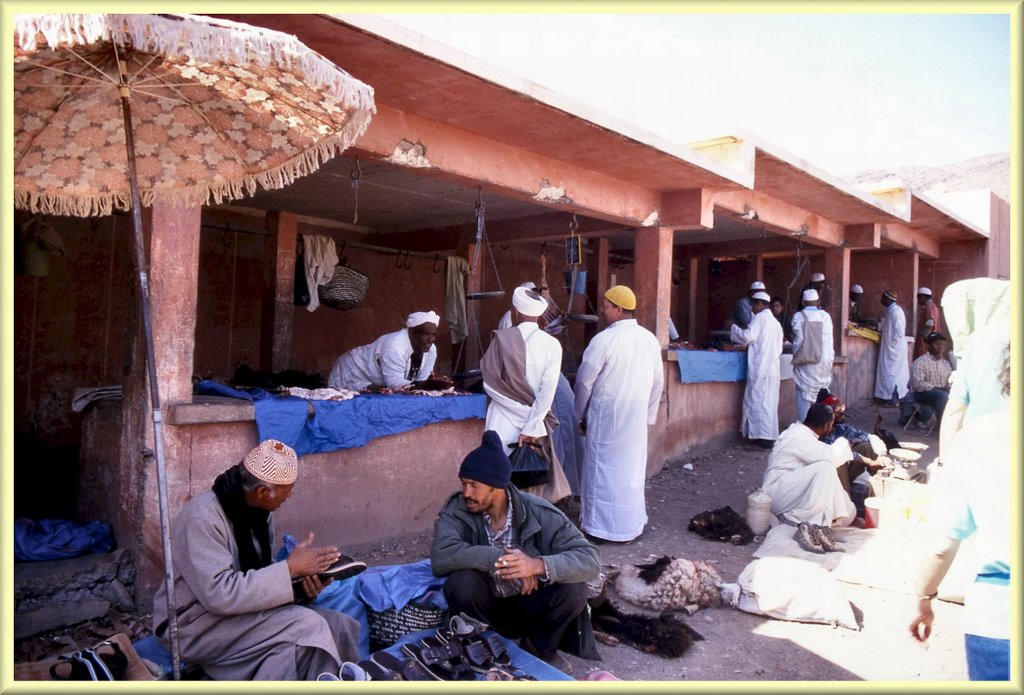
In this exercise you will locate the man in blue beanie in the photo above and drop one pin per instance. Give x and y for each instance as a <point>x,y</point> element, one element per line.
<point>513,560</point>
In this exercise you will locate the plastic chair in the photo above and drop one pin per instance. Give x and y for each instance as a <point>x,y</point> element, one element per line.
<point>912,420</point>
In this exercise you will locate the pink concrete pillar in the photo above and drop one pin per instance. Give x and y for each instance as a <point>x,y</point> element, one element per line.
<point>837,272</point>
<point>653,279</point>
<point>173,235</point>
<point>755,269</point>
<point>279,288</point>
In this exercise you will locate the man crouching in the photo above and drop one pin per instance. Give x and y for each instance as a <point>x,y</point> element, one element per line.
<point>514,560</point>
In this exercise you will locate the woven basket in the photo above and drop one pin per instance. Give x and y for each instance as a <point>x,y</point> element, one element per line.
<point>346,288</point>
<point>387,627</point>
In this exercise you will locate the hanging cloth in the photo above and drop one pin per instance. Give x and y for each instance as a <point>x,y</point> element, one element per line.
<point>455,298</point>
<point>320,258</point>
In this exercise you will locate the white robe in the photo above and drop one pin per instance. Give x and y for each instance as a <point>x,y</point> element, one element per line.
<point>761,394</point>
<point>511,418</point>
<point>893,370</point>
<point>384,362</point>
<point>618,391</point>
<point>801,478</point>
<point>811,378</point>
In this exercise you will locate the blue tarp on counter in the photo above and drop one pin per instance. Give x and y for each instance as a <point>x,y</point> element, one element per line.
<point>313,427</point>
<point>700,366</point>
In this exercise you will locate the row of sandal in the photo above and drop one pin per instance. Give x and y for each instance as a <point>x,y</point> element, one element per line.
<point>465,649</point>
<point>104,662</point>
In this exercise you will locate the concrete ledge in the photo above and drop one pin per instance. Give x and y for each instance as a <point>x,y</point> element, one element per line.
<point>210,409</point>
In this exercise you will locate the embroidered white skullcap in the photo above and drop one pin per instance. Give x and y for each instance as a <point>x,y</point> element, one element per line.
<point>273,462</point>
<point>763,296</point>
<point>757,285</point>
<point>810,295</point>
<point>528,302</point>
<point>818,277</point>
<point>857,289</point>
<point>925,290</point>
<point>418,318</point>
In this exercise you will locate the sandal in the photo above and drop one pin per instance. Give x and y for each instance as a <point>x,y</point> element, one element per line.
<point>408,669</point>
<point>73,667</point>
<point>376,672</point>
<point>114,658</point>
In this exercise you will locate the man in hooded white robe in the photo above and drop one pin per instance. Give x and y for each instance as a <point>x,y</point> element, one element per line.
<point>763,338</point>
<point>390,361</point>
<point>892,373</point>
<point>811,323</point>
<point>521,385</point>
<point>618,392</point>
<point>801,477</point>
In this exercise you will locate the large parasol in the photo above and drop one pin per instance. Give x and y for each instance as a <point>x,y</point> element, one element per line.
<point>112,112</point>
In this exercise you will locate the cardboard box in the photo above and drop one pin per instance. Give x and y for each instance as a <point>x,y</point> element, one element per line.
<point>40,670</point>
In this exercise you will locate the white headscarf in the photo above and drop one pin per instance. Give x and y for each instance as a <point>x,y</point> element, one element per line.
<point>417,318</point>
<point>527,305</point>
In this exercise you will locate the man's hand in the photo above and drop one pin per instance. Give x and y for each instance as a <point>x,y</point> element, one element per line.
<point>518,565</point>
<point>921,627</point>
<point>312,586</point>
<point>530,584</point>
<point>304,560</point>
<point>526,439</point>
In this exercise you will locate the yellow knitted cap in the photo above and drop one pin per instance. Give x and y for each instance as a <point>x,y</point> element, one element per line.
<point>622,296</point>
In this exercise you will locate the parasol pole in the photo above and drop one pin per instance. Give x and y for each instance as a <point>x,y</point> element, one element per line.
<point>147,321</point>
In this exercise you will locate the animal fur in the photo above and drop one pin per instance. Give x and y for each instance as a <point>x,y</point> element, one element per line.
<point>722,524</point>
<point>664,635</point>
<point>670,584</point>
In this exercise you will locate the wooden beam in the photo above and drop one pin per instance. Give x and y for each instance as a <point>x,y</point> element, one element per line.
<point>907,238</point>
<point>774,213</point>
<point>279,292</point>
<point>862,236</point>
<point>837,271</point>
<point>690,208</point>
<point>511,171</point>
<point>739,247</point>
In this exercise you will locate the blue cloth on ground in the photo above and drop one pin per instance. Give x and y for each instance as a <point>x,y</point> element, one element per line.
<point>313,427</point>
<point>394,586</point>
<point>701,366</point>
<point>59,539</point>
<point>522,660</point>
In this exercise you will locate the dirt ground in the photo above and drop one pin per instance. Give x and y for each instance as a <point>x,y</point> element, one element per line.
<point>737,646</point>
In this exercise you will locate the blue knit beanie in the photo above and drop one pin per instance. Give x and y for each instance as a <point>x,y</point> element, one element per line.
<point>488,463</point>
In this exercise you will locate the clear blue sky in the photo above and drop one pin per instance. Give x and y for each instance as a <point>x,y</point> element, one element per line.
<point>845,92</point>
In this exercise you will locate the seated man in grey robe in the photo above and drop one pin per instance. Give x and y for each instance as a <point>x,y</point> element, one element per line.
<point>237,613</point>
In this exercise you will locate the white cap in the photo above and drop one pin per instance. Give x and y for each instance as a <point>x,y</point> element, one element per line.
<point>526,304</point>
<point>925,290</point>
<point>418,318</point>
<point>529,284</point>
<point>857,289</point>
<point>757,285</point>
<point>810,295</point>
<point>763,296</point>
<point>818,277</point>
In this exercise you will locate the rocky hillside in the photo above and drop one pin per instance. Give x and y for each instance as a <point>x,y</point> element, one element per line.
<point>991,171</point>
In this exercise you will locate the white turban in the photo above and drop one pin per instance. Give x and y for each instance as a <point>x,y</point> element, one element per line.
<point>818,277</point>
<point>527,305</point>
<point>757,285</point>
<point>417,318</point>
<point>763,296</point>
<point>810,295</point>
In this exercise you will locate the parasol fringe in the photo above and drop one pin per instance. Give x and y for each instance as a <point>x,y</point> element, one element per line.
<point>282,175</point>
<point>203,39</point>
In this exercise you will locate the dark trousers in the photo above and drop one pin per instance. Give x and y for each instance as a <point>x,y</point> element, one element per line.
<point>936,400</point>
<point>541,617</point>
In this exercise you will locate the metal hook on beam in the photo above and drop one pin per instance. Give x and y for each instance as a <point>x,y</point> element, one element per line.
<point>437,259</point>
